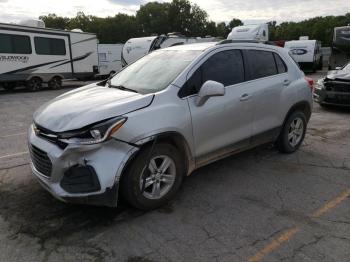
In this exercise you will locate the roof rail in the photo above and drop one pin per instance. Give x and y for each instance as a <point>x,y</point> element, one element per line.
<point>229,41</point>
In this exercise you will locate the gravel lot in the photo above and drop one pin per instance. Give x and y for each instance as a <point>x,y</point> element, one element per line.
<point>258,205</point>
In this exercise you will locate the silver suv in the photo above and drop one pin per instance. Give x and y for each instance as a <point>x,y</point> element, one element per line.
<point>174,110</point>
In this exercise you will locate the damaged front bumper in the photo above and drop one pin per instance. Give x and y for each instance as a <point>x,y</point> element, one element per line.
<point>333,93</point>
<point>87,174</point>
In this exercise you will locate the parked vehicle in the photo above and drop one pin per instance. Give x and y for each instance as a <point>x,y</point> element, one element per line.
<point>340,53</point>
<point>334,89</point>
<point>307,53</point>
<point>109,58</point>
<point>157,120</point>
<point>36,55</point>
<point>257,32</point>
<point>136,48</point>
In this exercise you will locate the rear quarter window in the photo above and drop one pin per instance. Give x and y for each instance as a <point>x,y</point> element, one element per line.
<point>281,66</point>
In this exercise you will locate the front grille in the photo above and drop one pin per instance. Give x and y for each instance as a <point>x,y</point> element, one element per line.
<point>337,86</point>
<point>40,160</point>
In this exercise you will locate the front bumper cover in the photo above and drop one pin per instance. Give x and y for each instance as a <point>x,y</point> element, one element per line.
<point>107,161</point>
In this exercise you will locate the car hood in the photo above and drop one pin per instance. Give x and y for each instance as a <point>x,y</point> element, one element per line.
<point>339,74</point>
<point>88,105</point>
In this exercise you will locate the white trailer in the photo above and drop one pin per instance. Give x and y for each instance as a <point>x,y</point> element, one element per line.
<point>307,53</point>
<point>35,55</point>
<point>109,58</point>
<point>136,48</point>
<point>256,32</point>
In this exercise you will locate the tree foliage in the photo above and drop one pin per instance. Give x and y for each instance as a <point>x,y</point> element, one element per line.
<point>189,19</point>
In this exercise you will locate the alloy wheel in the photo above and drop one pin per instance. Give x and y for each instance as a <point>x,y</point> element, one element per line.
<point>295,132</point>
<point>158,177</point>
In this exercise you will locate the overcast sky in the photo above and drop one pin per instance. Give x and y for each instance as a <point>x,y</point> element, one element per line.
<point>249,11</point>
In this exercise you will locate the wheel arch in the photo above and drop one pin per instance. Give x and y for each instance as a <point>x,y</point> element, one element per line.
<point>170,137</point>
<point>302,106</point>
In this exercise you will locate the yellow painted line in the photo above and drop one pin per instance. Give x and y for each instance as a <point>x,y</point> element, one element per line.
<point>19,134</point>
<point>288,234</point>
<point>15,154</point>
<point>274,244</point>
<point>331,204</point>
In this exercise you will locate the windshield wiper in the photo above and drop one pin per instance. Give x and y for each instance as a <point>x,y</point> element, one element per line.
<point>121,87</point>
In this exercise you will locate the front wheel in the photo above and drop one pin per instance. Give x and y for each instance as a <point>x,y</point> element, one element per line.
<point>153,178</point>
<point>293,133</point>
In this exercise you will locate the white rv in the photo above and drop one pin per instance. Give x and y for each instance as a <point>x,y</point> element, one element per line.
<point>109,58</point>
<point>136,48</point>
<point>33,55</point>
<point>258,33</point>
<point>307,53</point>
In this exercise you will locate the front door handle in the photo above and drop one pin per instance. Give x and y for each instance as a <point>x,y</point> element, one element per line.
<point>245,97</point>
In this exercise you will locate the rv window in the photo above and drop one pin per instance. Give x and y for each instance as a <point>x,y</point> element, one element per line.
<point>49,46</point>
<point>262,64</point>
<point>281,66</point>
<point>15,44</point>
<point>102,57</point>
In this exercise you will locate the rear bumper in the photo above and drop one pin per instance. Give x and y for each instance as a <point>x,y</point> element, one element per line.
<point>80,174</point>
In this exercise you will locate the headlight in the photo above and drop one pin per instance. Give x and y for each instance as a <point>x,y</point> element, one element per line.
<point>95,134</point>
<point>319,84</point>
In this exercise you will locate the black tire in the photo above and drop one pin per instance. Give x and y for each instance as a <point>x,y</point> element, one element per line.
<point>55,83</point>
<point>284,144</point>
<point>130,186</point>
<point>34,84</point>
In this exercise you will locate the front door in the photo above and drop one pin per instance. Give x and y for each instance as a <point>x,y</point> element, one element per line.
<point>223,124</point>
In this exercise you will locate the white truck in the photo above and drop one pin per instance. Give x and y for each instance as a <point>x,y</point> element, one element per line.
<point>307,53</point>
<point>254,32</point>
<point>31,54</point>
<point>136,48</point>
<point>109,59</point>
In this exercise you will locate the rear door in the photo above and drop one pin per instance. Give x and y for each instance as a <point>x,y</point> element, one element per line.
<point>268,74</point>
<point>222,124</point>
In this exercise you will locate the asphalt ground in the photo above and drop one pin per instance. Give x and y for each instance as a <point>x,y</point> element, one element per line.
<point>259,205</point>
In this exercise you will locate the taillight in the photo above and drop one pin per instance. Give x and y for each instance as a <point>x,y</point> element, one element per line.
<point>310,83</point>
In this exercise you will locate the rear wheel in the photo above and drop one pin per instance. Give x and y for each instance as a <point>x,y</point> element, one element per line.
<point>34,84</point>
<point>153,178</point>
<point>293,133</point>
<point>55,83</point>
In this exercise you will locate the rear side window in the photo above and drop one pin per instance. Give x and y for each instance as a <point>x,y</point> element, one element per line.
<point>49,46</point>
<point>281,66</point>
<point>15,44</point>
<point>262,63</point>
<point>225,67</point>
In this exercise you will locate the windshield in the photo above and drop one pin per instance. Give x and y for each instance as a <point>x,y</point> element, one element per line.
<point>154,72</point>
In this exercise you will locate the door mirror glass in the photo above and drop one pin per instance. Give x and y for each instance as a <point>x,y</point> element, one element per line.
<point>209,88</point>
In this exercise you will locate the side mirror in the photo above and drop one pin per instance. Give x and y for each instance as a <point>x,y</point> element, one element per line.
<point>338,68</point>
<point>209,88</point>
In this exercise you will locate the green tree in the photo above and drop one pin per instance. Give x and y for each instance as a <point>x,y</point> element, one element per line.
<point>153,18</point>
<point>233,23</point>
<point>54,21</point>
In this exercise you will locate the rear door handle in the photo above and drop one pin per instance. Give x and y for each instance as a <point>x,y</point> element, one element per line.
<point>286,82</point>
<point>245,97</point>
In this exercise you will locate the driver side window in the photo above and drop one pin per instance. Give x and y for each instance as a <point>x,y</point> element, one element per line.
<point>225,67</point>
